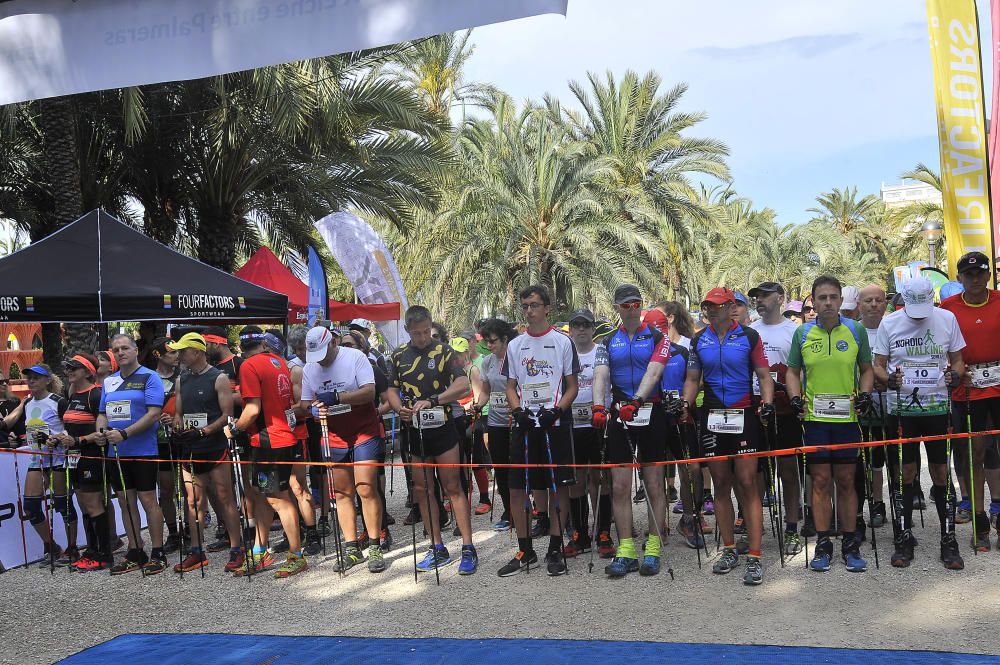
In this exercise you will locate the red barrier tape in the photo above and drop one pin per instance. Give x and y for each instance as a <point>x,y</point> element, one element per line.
<point>800,450</point>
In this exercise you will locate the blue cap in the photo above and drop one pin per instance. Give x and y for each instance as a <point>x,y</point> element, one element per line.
<point>37,369</point>
<point>741,297</point>
<point>949,289</point>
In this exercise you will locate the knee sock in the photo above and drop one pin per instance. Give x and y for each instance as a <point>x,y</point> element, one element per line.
<point>907,505</point>
<point>604,504</point>
<point>575,507</point>
<point>945,508</point>
<point>584,524</point>
<point>88,531</point>
<point>102,535</point>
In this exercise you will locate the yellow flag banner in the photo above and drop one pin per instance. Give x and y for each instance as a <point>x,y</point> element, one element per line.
<point>958,87</point>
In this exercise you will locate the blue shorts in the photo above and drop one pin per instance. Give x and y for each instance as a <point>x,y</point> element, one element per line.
<point>818,434</point>
<point>372,450</point>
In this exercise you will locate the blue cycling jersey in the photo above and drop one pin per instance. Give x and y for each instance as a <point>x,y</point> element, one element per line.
<point>629,357</point>
<point>728,365</point>
<point>675,371</point>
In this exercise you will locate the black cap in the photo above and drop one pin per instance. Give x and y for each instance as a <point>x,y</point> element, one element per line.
<point>765,288</point>
<point>627,293</point>
<point>973,261</point>
<point>584,314</point>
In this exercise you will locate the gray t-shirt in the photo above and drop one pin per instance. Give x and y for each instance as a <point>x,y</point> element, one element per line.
<point>499,410</point>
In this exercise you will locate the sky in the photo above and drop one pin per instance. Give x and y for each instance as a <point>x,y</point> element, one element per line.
<point>808,95</point>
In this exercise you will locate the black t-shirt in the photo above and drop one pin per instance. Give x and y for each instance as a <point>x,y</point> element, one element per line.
<point>6,407</point>
<point>82,408</point>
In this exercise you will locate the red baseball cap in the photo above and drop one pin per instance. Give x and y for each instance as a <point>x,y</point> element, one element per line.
<point>719,295</point>
<point>654,318</point>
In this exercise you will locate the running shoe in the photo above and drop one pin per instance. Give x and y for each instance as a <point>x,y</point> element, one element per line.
<point>47,558</point>
<point>155,565</point>
<point>236,558</point>
<point>754,573</point>
<point>554,564</point>
<point>727,562</point>
<point>621,566</point>
<point>878,514</point>
<point>502,525</point>
<point>88,563</point>
<point>650,566</point>
<point>470,561</point>
<point>793,543</point>
<point>605,547</point>
<point>125,566</point>
<point>521,561</point>
<point>578,544</point>
<point>821,560</point>
<point>352,556</point>
<point>640,495</point>
<point>708,507</point>
<point>255,564</point>
<point>193,561</point>
<point>69,556</point>
<point>679,508</point>
<point>385,540</point>
<point>436,557</point>
<point>687,528</point>
<point>313,545</point>
<point>293,566</point>
<point>376,562</point>
<point>852,559</point>
<point>903,554</point>
<point>484,507</point>
<point>672,493</point>
<point>963,512</point>
<point>950,557</point>
<point>739,527</point>
<point>981,542</point>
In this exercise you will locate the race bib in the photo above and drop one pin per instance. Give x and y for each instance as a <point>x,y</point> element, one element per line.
<point>498,400</point>
<point>195,420</point>
<point>832,406</point>
<point>290,418</point>
<point>536,394</point>
<point>725,421</point>
<point>581,413</point>
<point>119,409</point>
<point>985,375</point>
<point>429,418</point>
<point>921,374</point>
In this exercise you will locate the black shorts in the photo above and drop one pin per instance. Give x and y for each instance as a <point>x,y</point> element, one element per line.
<point>90,474</point>
<point>431,442</point>
<point>140,475</point>
<point>539,443</point>
<point>789,433</point>
<point>200,468</point>
<point>714,444</point>
<point>587,443</point>
<point>273,478</point>
<point>682,441</point>
<point>925,426</point>
<point>650,441</point>
<point>985,414</point>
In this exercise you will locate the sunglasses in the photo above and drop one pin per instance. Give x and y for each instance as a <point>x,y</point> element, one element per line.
<point>712,305</point>
<point>635,304</point>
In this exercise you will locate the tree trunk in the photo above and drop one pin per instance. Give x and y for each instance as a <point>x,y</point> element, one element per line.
<point>57,122</point>
<point>217,241</point>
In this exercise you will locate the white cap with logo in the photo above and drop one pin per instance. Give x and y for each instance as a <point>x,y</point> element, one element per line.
<point>918,297</point>
<point>850,294</point>
<point>317,339</point>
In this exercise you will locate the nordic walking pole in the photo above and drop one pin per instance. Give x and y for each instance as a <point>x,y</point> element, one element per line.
<point>128,504</point>
<point>234,452</point>
<point>802,503</point>
<point>555,498</point>
<point>695,499</point>
<point>527,499</point>
<point>883,403</point>
<point>392,452</point>
<point>331,492</point>
<point>20,507</point>
<point>972,476</point>
<point>427,492</point>
<point>649,506</point>
<point>597,501</point>
<point>180,508</point>
<point>50,505</point>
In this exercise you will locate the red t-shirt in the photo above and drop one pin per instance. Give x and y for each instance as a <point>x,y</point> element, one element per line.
<point>265,376</point>
<point>980,325</point>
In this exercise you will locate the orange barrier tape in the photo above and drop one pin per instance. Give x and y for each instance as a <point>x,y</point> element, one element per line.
<point>800,450</point>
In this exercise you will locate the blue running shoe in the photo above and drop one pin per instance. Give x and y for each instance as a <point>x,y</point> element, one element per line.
<point>650,565</point>
<point>679,508</point>
<point>502,525</point>
<point>853,561</point>
<point>470,560</point>
<point>688,529</point>
<point>620,567</point>
<point>436,555</point>
<point>820,561</point>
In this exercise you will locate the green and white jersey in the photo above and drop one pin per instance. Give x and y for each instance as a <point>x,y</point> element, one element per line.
<point>829,362</point>
<point>920,348</point>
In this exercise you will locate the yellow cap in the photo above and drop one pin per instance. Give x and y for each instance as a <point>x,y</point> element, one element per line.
<point>191,340</point>
<point>460,344</point>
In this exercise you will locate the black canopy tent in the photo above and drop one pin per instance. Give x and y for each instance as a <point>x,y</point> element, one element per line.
<point>97,270</point>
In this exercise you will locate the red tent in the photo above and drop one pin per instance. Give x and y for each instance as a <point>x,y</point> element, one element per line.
<point>264,269</point>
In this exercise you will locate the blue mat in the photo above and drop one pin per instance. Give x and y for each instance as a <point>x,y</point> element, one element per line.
<point>168,649</point>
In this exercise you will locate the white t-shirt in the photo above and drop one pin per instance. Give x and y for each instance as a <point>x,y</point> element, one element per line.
<point>539,364</point>
<point>589,361</point>
<point>350,370</point>
<point>777,341</point>
<point>920,347</point>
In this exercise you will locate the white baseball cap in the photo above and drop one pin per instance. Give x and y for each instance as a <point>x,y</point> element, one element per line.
<point>317,339</point>
<point>918,297</point>
<point>360,324</point>
<point>851,294</point>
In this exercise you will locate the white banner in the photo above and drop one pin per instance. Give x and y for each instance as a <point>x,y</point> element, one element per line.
<point>368,265</point>
<point>11,550</point>
<point>58,47</point>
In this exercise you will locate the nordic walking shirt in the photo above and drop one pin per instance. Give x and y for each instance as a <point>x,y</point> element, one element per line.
<point>124,402</point>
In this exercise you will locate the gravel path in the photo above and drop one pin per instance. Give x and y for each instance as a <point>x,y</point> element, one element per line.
<point>923,607</point>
